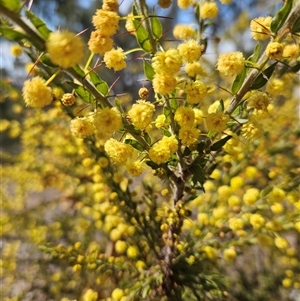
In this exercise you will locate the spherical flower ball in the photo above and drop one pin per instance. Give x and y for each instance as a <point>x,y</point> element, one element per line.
<point>183,32</point>
<point>195,92</point>
<point>256,220</point>
<point>164,83</point>
<point>260,28</point>
<point>217,122</point>
<point>168,62</point>
<point>141,114</point>
<point>16,50</point>
<point>195,69</point>
<point>291,51</point>
<point>132,252</point>
<point>99,42</point>
<point>117,294</point>
<point>230,64</point>
<point>209,10</point>
<point>107,120</point>
<point>68,99</point>
<point>259,100</point>
<point>120,247</point>
<point>189,135</point>
<point>281,243</point>
<point>115,59</point>
<point>159,152</point>
<point>35,93</point>
<point>171,142</point>
<point>82,127</point>
<point>66,49</point>
<point>106,21</point>
<point>118,152</point>
<point>190,50</point>
<point>90,295</point>
<point>110,5</point>
<point>274,51</point>
<point>184,4</point>
<point>135,168</point>
<point>164,3</point>
<point>229,254</point>
<point>184,116</point>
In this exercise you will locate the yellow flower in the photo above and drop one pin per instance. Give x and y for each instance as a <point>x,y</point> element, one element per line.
<point>106,121</point>
<point>251,196</point>
<point>99,42</point>
<point>236,223</point>
<point>135,168</point>
<point>184,4</point>
<point>129,24</point>
<point>229,254</point>
<point>217,122</point>
<point>195,92</point>
<point>120,247</point>
<point>256,220</point>
<point>16,50</point>
<point>160,121</point>
<point>209,10</point>
<point>110,5</point>
<point>90,295</point>
<point>65,48</point>
<point>35,93</point>
<point>259,100</point>
<point>106,21</point>
<point>230,64</point>
<point>132,252</point>
<point>164,83</point>
<point>164,3</point>
<point>190,50</point>
<point>141,114</point>
<point>184,116</point>
<point>183,32</point>
<point>281,243</point>
<point>119,152</point>
<point>198,117</point>
<point>168,62</point>
<point>115,59</point>
<point>117,294</point>
<point>252,130</point>
<point>260,28</point>
<point>210,252</point>
<point>82,127</point>
<point>291,51</point>
<point>189,135</point>
<point>274,50</point>
<point>195,69</point>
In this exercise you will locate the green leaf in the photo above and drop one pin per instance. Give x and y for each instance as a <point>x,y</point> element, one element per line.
<point>99,83</point>
<point>12,5</point>
<point>142,34</point>
<point>38,24</point>
<point>238,81</point>
<point>134,144</point>
<point>262,79</point>
<point>220,108</point>
<point>145,291</point>
<point>296,26</point>
<point>82,92</point>
<point>11,34</point>
<point>167,133</point>
<point>148,70</point>
<point>152,164</point>
<point>156,27</point>
<point>265,191</point>
<point>219,144</point>
<point>79,71</point>
<point>255,56</point>
<point>198,174</point>
<point>147,138</point>
<point>281,16</point>
<point>174,103</point>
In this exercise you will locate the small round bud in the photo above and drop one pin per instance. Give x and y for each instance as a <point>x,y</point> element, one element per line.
<point>143,93</point>
<point>68,99</point>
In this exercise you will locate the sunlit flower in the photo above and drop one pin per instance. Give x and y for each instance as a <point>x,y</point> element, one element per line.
<point>168,62</point>
<point>164,83</point>
<point>274,50</point>
<point>195,92</point>
<point>106,21</point>
<point>82,127</point>
<point>110,5</point>
<point>16,50</point>
<point>68,99</point>
<point>135,168</point>
<point>184,116</point>
<point>65,48</point>
<point>195,69</point>
<point>217,122</point>
<point>259,100</point>
<point>115,59</point>
<point>99,42</point>
<point>189,135</point>
<point>184,4</point>
<point>141,114</point>
<point>209,10</point>
<point>231,64</point>
<point>260,28</point>
<point>183,32</point>
<point>190,50</point>
<point>35,93</point>
<point>291,51</point>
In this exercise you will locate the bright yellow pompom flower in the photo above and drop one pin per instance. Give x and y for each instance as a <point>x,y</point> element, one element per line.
<point>36,94</point>
<point>65,48</point>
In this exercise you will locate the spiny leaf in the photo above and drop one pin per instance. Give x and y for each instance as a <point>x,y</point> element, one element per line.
<point>147,138</point>
<point>219,144</point>
<point>38,24</point>
<point>281,16</point>
<point>156,27</point>
<point>134,144</point>
<point>148,70</point>
<point>262,79</point>
<point>11,34</point>
<point>255,56</point>
<point>220,108</point>
<point>99,83</point>
<point>238,81</point>
<point>12,5</point>
<point>82,92</point>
